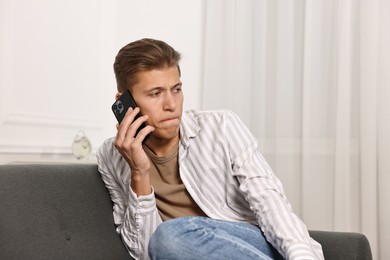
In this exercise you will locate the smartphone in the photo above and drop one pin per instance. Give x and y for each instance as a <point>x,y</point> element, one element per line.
<point>121,106</point>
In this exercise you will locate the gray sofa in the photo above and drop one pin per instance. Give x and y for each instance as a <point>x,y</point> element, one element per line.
<point>65,212</point>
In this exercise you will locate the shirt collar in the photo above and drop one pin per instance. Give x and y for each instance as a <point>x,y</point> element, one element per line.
<point>189,128</point>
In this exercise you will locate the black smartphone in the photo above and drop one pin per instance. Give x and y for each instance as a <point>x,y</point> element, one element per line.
<point>121,106</point>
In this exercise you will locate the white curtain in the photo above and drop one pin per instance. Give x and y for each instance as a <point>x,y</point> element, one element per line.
<point>311,79</point>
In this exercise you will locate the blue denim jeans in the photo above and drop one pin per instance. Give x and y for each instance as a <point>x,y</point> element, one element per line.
<point>204,238</point>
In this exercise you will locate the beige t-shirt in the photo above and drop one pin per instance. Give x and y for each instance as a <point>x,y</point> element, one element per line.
<point>172,198</point>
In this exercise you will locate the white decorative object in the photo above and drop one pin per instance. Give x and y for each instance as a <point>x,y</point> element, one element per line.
<point>81,146</point>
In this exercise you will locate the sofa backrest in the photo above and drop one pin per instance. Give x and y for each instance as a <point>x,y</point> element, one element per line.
<point>56,212</point>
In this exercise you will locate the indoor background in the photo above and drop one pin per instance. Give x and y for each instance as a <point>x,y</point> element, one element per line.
<point>311,79</point>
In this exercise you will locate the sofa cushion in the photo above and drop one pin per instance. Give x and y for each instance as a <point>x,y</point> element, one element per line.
<point>56,212</point>
<point>343,245</point>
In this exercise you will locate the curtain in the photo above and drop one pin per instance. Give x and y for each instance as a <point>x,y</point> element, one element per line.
<point>311,80</point>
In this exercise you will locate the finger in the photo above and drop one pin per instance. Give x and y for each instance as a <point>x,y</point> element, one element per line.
<point>131,113</point>
<point>123,127</point>
<point>133,128</point>
<point>132,132</point>
<point>142,135</point>
<point>126,122</point>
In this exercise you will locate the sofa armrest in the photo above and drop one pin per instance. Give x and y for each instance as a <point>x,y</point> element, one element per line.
<point>343,245</point>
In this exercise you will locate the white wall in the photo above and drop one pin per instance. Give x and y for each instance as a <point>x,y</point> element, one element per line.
<point>56,75</point>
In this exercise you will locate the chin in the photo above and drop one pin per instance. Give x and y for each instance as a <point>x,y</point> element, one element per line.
<point>166,134</point>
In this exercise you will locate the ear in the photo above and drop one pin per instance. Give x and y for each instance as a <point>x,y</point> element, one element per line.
<point>118,95</point>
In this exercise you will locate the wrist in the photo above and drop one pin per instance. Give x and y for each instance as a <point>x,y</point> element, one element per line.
<point>140,183</point>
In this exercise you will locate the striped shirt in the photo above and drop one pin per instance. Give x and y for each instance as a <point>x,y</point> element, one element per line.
<point>225,174</point>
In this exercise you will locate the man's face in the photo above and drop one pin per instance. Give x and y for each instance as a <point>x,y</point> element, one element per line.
<point>158,94</point>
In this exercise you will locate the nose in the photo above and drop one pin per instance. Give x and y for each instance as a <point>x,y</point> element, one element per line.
<point>169,102</point>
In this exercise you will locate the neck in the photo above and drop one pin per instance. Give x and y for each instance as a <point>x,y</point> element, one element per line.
<point>160,146</point>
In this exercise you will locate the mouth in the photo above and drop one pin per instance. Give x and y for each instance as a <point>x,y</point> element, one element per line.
<point>169,119</point>
<point>170,122</point>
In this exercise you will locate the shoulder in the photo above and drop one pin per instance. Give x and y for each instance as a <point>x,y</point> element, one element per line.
<point>224,122</point>
<point>221,118</point>
<point>210,124</point>
<point>107,152</point>
<point>106,146</point>
<point>208,115</point>
<point>111,163</point>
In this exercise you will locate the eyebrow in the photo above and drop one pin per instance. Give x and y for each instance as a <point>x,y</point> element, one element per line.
<point>161,88</point>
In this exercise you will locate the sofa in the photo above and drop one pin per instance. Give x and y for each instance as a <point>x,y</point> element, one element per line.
<point>51,211</point>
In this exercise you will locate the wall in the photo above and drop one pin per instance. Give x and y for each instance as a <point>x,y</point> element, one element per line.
<point>56,74</point>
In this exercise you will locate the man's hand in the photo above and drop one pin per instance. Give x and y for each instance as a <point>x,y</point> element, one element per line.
<point>130,147</point>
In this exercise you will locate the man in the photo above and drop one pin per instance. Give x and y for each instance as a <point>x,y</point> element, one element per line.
<point>198,188</point>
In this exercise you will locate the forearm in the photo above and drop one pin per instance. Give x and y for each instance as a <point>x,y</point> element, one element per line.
<point>139,223</point>
<point>286,232</point>
<point>136,217</point>
<point>266,197</point>
<point>140,183</point>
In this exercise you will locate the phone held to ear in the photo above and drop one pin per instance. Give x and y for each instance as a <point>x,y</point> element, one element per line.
<point>121,106</point>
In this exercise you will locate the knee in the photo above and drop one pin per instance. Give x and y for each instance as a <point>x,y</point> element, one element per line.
<point>170,238</point>
<point>164,241</point>
<point>162,234</point>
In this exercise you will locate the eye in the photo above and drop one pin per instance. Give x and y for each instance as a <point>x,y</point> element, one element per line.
<point>177,89</point>
<point>155,93</point>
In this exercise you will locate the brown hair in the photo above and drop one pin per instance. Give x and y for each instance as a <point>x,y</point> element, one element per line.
<point>142,55</point>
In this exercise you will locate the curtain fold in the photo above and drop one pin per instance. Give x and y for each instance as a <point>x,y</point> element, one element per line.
<point>368,81</point>
<point>383,149</point>
<point>311,80</point>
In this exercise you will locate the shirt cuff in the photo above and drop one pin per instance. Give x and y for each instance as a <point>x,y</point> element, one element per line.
<point>144,205</point>
<point>303,252</point>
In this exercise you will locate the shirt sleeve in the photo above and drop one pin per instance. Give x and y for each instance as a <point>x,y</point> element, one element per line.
<point>136,218</point>
<point>266,197</point>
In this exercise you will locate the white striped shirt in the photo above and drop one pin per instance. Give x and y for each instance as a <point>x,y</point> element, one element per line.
<point>225,174</point>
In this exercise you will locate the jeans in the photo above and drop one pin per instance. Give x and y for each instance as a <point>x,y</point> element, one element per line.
<point>204,238</point>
